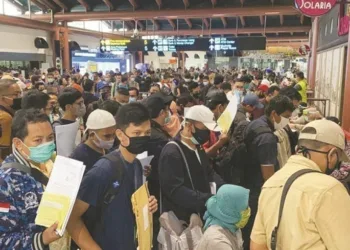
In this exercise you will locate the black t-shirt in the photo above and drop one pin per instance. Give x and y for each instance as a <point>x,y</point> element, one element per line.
<point>87,155</point>
<point>261,151</point>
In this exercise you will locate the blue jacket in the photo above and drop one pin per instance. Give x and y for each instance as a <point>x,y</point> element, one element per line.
<point>22,193</point>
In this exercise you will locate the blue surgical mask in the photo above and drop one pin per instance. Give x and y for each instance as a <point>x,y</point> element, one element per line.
<point>168,118</point>
<point>132,99</point>
<point>41,153</point>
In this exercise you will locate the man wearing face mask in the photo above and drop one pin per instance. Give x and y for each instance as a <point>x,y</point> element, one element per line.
<point>261,146</point>
<point>134,94</point>
<point>158,107</point>
<point>217,102</point>
<point>72,103</point>
<point>237,90</point>
<point>182,193</point>
<point>23,176</point>
<point>10,101</point>
<point>100,131</point>
<point>122,96</point>
<point>112,227</point>
<point>316,209</point>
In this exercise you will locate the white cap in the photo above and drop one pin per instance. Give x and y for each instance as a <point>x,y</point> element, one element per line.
<point>201,113</point>
<point>100,119</point>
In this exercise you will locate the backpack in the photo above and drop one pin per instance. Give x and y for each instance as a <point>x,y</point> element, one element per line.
<point>35,173</point>
<point>233,158</point>
<point>110,193</point>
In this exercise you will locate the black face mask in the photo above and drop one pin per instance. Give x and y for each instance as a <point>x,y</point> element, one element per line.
<point>17,103</point>
<point>201,135</point>
<point>138,144</point>
<point>329,171</point>
<point>196,95</point>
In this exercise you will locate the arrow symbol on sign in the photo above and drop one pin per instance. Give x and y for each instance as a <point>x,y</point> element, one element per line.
<point>155,48</point>
<point>211,47</point>
<point>211,40</point>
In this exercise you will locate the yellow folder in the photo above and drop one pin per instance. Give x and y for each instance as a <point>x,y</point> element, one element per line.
<point>143,217</point>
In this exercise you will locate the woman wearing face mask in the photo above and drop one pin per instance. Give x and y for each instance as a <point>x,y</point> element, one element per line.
<point>227,212</point>
<point>100,132</point>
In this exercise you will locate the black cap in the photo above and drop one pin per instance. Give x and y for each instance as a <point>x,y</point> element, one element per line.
<point>157,102</point>
<point>217,96</point>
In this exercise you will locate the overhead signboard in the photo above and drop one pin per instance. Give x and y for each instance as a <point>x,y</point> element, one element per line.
<point>315,7</point>
<point>121,45</point>
<point>185,44</point>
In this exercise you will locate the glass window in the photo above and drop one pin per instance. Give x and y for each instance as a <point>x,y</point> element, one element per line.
<point>10,9</point>
<point>77,24</point>
<point>325,30</point>
<point>92,25</point>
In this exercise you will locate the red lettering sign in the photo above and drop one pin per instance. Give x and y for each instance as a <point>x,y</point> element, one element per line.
<point>315,7</point>
<point>343,28</point>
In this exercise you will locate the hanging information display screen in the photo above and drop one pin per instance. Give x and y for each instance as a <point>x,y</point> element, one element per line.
<point>121,45</point>
<point>185,44</point>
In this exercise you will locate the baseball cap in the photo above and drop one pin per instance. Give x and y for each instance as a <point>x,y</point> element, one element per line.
<point>99,119</point>
<point>263,88</point>
<point>218,96</point>
<point>253,100</point>
<point>327,132</point>
<point>201,113</point>
<point>156,102</point>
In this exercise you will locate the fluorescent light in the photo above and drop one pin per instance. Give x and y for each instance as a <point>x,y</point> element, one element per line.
<point>121,29</point>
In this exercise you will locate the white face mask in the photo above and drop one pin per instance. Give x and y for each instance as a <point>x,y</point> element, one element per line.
<point>284,122</point>
<point>205,83</point>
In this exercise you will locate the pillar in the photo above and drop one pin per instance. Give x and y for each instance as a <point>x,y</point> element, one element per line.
<point>66,51</point>
<point>346,100</point>
<point>314,44</point>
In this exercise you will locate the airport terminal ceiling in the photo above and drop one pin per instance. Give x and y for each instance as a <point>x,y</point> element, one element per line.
<point>279,20</point>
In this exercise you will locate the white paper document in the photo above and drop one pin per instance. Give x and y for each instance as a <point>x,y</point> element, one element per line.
<point>145,160</point>
<point>60,193</point>
<point>66,136</point>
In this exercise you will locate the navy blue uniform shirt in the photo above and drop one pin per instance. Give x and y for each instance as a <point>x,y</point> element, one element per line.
<point>118,219</point>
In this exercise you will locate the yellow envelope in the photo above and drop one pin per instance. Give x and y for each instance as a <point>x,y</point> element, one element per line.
<point>143,217</point>
<point>52,208</point>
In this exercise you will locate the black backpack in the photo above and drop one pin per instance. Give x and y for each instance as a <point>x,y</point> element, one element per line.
<point>234,158</point>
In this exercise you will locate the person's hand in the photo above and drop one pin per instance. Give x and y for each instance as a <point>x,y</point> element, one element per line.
<point>50,235</point>
<point>223,139</point>
<point>152,204</point>
<point>147,170</point>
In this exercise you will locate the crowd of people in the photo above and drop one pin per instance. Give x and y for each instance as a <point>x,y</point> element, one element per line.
<point>232,179</point>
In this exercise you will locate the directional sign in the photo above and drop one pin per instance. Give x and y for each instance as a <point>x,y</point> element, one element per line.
<point>185,44</point>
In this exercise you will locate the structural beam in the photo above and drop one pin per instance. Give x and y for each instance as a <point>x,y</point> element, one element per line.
<point>171,14</point>
<point>302,17</point>
<point>224,22</point>
<point>48,4</point>
<point>281,19</point>
<point>109,4</point>
<point>26,23</point>
<point>205,22</point>
<point>186,3</point>
<point>284,44</point>
<point>39,5</point>
<point>262,20</point>
<point>189,23</point>
<point>159,3</point>
<point>172,23</point>
<point>61,4</point>
<point>139,24</point>
<point>260,30</point>
<point>155,24</point>
<point>133,3</point>
<point>242,2</point>
<point>213,2</point>
<point>84,4</point>
<point>242,20</point>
